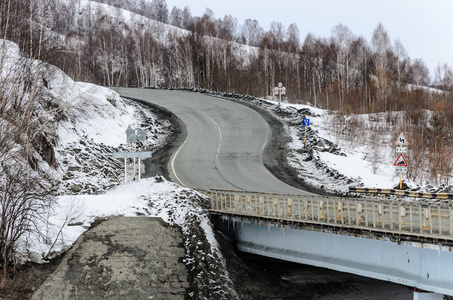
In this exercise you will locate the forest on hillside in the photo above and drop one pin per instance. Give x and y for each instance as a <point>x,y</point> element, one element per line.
<point>147,44</point>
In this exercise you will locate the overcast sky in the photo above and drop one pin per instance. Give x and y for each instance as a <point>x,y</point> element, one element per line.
<point>424,27</point>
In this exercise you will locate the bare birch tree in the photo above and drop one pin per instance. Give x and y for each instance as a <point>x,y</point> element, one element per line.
<point>381,44</point>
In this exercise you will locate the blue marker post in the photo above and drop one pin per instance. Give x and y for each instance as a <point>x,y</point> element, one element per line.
<point>305,123</point>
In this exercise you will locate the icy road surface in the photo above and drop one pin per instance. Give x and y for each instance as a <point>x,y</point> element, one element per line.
<point>224,145</point>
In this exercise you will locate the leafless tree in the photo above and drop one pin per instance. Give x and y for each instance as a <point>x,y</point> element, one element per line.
<point>24,193</point>
<point>381,45</point>
<point>252,32</point>
<point>293,38</point>
<point>227,28</point>
<point>187,18</point>
<point>159,11</point>
<point>23,200</point>
<point>420,73</point>
<point>342,38</point>
<point>401,63</point>
<point>176,17</point>
<point>443,78</point>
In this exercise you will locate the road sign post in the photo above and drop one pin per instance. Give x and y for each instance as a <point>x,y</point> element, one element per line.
<point>279,90</point>
<point>133,136</point>
<point>305,123</point>
<point>400,163</point>
<point>133,155</point>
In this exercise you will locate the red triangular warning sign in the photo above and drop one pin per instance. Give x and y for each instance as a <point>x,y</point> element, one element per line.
<point>400,161</point>
<point>401,140</point>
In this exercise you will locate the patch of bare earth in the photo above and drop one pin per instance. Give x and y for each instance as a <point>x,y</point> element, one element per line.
<point>26,280</point>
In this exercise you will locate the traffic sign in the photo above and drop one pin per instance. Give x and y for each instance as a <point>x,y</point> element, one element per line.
<point>134,135</point>
<point>129,130</point>
<point>141,135</point>
<point>401,149</point>
<point>131,154</point>
<point>401,170</point>
<point>402,141</point>
<point>306,122</point>
<point>400,161</point>
<point>280,84</point>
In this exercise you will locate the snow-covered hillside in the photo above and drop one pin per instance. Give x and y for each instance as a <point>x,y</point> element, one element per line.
<point>80,125</point>
<point>84,124</point>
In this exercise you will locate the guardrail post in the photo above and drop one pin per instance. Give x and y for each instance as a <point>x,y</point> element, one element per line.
<point>267,206</point>
<point>402,213</point>
<point>289,207</point>
<point>340,211</point>
<point>411,218</point>
<point>305,209</point>
<point>299,202</point>
<point>319,210</point>
<point>327,210</point>
<point>420,218</point>
<point>349,213</point>
<point>374,213</point>
<point>247,205</point>
<point>451,221</point>
<point>391,215</point>
<point>366,214</point>
<point>213,203</point>
<point>439,216</point>
<point>359,208</point>
<point>260,209</point>
<point>379,215</point>
<point>275,207</point>
<point>426,218</point>
<point>312,209</point>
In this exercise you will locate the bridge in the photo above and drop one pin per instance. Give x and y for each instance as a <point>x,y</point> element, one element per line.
<point>406,242</point>
<point>403,242</point>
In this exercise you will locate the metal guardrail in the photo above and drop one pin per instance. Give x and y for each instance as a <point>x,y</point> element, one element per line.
<point>442,196</point>
<point>433,221</point>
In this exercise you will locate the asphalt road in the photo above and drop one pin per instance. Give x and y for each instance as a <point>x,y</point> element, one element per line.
<point>224,144</point>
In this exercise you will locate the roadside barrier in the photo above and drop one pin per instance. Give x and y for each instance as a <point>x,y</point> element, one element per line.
<point>443,196</point>
<point>408,218</point>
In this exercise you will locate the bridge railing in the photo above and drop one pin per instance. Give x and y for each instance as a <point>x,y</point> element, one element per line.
<point>414,218</point>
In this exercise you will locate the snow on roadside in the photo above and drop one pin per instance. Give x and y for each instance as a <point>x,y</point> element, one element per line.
<point>151,197</point>
<point>354,161</point>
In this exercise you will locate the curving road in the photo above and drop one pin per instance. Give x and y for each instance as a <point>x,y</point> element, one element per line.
<point>224,144</point>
